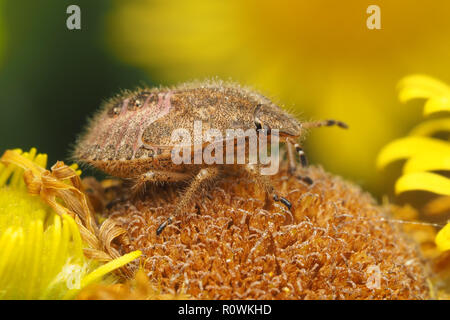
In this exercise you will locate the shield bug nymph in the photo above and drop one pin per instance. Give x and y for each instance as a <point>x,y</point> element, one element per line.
<point>131,136</point>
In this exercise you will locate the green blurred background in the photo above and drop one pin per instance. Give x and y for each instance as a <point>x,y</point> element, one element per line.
<point>315,57</point>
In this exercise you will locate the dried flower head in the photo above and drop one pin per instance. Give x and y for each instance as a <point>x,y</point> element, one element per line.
<point>336,243</point>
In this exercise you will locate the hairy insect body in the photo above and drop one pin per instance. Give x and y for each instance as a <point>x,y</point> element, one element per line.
<point>132,136</point>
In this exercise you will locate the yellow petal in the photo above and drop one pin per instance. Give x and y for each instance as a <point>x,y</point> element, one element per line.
<point>77,243</point>
<point>110,266</point>
<point>428,161</point>
<point>103,270</point>
<point>425,181</point>
<point>430,127</point>
<point>35,268</point>
<point>437,104</point>
<point>421,86</point>
<point>408,147</point>
<point>443,238</point>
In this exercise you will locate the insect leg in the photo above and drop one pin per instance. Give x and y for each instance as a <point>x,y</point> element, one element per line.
<point>204,175</point>
<point>299,150</point>
<point>291,146</point>
<point>157,176</point>
<point>324,123</point>
<point>305,179</point>
<point>264,182</point>
<point>291,157</point>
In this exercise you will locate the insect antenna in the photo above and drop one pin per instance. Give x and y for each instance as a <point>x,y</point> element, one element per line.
<point>324,123</point>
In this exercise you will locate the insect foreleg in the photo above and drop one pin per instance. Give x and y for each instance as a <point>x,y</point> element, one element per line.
<point>204,175</point>
<point>266,185</point>
<point>291,158</point>
<point>292,147</point>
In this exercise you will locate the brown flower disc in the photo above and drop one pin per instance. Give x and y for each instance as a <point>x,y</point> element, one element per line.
<point>336,243</point>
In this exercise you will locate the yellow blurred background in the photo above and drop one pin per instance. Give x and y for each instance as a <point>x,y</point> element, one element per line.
<point>317,58</point>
